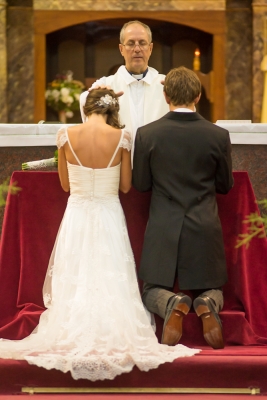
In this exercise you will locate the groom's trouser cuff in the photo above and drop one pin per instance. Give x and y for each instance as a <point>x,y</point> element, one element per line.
<point>156,298</point>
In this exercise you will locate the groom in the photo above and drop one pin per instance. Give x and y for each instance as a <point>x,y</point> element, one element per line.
<point>185,160</point>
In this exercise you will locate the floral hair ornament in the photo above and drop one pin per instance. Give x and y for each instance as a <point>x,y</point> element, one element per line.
<point>106,101</point>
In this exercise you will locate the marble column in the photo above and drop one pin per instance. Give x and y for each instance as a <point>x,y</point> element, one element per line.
<point>259,48</point>
<point>20,61</point>
<point>238,100</point>
<point>3,64</point>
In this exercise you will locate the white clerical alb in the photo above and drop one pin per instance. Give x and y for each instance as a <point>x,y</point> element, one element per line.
<point>142,101</point>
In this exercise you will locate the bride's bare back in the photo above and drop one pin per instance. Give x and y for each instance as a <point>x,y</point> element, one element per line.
<point>94,143</point>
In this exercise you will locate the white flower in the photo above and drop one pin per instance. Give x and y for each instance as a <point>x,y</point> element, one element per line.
<point>64,99</point>
<point>55,93</point>
<point>70,99</point>
<point>67,99</point>
<point>69,114</point>
<point>64,92</point>
<point>106,100</point>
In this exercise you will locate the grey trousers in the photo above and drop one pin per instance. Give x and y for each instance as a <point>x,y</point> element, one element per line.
<point>156,298</point>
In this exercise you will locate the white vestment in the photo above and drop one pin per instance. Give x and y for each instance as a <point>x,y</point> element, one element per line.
<point>142,102</point>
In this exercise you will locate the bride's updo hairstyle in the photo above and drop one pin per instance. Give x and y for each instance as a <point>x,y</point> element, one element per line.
<point>104,102</point>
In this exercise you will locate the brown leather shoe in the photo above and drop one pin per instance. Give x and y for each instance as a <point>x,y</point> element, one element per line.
<point>212,326</point>
<point>178,307</point>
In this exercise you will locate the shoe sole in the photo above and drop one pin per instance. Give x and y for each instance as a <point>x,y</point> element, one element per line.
<point>173,330</point>
<point>212,330</point>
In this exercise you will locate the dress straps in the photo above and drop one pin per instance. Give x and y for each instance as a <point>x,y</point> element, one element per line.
<point>117,148</point>
<point>112,158</point>
<point>77,159</point>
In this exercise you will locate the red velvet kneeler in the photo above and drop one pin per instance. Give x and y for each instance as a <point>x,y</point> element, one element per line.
<point>31,221</point>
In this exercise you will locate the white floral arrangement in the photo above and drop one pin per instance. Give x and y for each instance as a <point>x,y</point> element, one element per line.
<point>63,93</point>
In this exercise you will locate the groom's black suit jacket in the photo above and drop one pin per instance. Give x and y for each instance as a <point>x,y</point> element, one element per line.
<point>185,160</point>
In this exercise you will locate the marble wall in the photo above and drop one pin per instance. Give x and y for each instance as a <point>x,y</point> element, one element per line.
<point>3,57</point>
<point>238,99</point>
<point>17,43</point>
<point>245,36</point>
<point>20,61</point>
<point>259,38</point>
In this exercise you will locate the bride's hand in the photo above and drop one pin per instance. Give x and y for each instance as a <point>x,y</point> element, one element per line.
<point>105,87</point>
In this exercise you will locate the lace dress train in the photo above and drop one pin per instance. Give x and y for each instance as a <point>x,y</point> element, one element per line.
<point>95,325</point>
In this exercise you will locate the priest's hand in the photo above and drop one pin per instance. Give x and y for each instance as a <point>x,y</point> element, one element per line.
<point>105,87</point>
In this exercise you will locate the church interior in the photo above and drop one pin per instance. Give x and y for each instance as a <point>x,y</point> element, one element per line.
<point>225,43</point>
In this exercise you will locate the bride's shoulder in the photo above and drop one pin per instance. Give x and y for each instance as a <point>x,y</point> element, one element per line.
<point>61,137</point>
<point>77,129</point>
<point>120,133</point>
<point>66,131</point>
<point>127,140</point>
<point>111,131</point>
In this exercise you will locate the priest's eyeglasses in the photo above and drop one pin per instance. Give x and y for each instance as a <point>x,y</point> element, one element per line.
<point>143,45</point>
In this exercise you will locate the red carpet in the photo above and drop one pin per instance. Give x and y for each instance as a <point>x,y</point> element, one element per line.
<point>232,367</point>
<point>30,225</point>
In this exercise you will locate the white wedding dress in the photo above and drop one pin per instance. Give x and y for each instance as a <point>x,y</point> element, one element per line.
<point>95,325</point>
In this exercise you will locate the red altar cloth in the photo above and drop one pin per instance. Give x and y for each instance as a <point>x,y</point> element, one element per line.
<point>30,225</point>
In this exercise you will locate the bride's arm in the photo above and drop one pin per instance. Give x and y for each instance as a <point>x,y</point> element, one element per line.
<point>62,170</point>
<point>126,171</point>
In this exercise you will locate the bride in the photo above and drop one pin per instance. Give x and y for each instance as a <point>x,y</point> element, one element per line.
<point>95,325</point>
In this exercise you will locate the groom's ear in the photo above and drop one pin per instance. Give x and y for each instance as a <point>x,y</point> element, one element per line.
<point>197,99</point>
<point>166,98</point>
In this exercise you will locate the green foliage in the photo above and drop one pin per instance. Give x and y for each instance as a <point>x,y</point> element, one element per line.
<point>6,188</point>
<point>257,226</point>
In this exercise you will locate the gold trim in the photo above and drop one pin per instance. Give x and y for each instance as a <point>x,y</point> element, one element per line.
<point>206,5</point>
<point>238,9</point>
<point>32,390</point>
<point>20,7</point>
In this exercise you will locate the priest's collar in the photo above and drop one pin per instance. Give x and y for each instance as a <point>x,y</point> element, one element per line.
<point>139,76</point>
